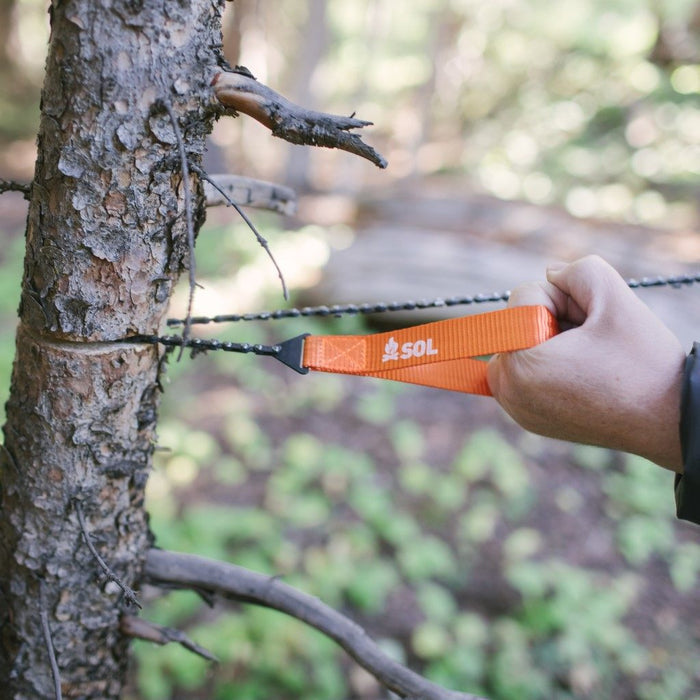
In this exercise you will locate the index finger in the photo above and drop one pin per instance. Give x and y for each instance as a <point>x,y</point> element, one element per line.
<point>564,308</point>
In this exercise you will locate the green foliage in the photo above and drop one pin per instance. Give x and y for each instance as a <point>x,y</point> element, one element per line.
<point>10,278</point>
<point>376,407</point>
<point>364,528</point>
<point>356,532</point>
<point>644,516</point>
<point>562,103</point>
<point>262,655</point>
<point>684,566</point>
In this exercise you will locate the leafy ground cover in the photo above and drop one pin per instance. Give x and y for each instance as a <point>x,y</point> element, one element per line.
<point>492,560</point>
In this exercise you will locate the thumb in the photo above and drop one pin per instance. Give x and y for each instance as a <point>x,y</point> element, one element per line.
<point>495,375</point>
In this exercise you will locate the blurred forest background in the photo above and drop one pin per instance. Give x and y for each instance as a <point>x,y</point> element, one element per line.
<point>496,562</point>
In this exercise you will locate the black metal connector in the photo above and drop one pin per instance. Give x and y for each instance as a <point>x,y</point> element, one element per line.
<point>291,353</point>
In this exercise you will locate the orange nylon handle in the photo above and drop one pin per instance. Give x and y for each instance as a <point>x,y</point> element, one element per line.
<point>438,354</point>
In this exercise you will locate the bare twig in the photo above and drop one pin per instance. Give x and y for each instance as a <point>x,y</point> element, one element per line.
<point>234,582</point>
<point>14,186</point>
<point>188,214</point>
<point>247,192</point>
<point>128,592</point>
<point>150,631</point>
<point>52,652</point>
<point>261,240</point>
<point>242,93</point>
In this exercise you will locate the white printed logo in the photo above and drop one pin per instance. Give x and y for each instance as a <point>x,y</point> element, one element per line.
<point>410,349</point>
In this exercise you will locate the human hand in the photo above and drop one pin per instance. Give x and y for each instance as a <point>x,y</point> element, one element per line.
<point>612,378</point>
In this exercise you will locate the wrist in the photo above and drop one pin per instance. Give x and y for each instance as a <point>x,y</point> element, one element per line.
<point>660,440</point>
<point>649,415</point>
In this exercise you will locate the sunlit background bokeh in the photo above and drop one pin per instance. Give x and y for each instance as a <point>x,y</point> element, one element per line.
<point>589,105</point>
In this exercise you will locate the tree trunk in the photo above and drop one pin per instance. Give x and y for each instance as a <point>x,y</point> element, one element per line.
<point>106,240</point>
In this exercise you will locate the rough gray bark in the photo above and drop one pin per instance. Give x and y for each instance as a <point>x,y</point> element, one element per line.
<point>131,90</point>
<point>105,243</point>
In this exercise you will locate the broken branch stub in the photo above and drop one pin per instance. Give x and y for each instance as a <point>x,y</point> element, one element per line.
<point>289,121</point>
<point>247,192</point>
<point>158,634</point>
<point>13,186</point>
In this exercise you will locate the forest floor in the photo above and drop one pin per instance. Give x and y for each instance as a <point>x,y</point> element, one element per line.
<point>443,241</point>
<point>429,516</point>
<point>578,546</point>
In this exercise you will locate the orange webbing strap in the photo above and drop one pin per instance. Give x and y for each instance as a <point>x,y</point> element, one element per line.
<point>439,354</point>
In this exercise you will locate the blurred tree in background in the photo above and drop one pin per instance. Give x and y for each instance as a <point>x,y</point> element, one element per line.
<point>589,104</point>
<point>495,562</point>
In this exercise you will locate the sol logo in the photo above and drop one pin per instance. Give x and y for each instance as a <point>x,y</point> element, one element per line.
<point>410,349</point>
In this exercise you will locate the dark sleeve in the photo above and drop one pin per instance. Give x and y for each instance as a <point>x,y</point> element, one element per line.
<point>687,485</point>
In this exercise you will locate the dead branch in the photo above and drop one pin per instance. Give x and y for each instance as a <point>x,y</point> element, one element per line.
<point>150,631</point>
<point>14,186</point>
<point>242,93</point>
<point>236,583</point>
<point>128,593</point>
<point>247,192</point>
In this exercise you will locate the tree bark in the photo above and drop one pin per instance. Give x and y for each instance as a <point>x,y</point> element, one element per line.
<point>106,240</point>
